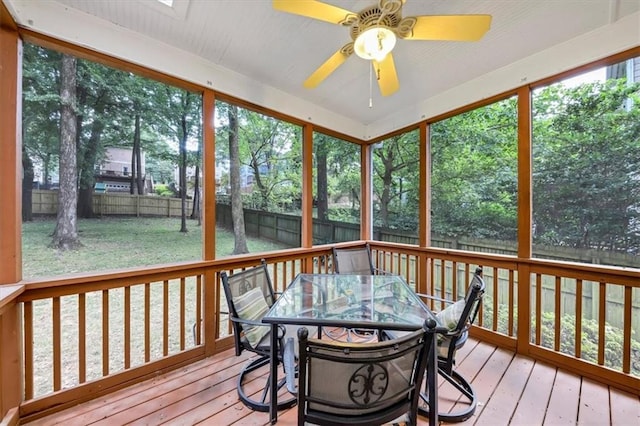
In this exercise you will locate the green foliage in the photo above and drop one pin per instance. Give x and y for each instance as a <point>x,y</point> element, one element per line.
<point>164,190</point>
<point>586,160</point>
<point>270,158</point>
<point>613,347</point>
<point>396,182</point>
<point>474,173</point>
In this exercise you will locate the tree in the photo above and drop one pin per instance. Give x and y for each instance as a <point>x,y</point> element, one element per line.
<point>474,173</point>
<point>237,211</point>
<point>178,116</point>
<point>27,186</point>
<point>65,236</point>
<point>322,190</point>
<point>395,163</point>
<point>41,114</point>
<point>587,158</point>
<point>272,150</point>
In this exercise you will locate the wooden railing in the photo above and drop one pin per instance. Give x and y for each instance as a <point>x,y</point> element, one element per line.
<point>512,314</point>
<point>10,354</point>
<point>89,335</point>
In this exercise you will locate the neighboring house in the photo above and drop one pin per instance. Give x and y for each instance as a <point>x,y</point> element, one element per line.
<point>114,173</point>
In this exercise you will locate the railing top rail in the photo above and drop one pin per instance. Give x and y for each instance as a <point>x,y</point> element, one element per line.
<point>9,293</point>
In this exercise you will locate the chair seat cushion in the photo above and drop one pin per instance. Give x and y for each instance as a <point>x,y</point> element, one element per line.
<point>252,306</point>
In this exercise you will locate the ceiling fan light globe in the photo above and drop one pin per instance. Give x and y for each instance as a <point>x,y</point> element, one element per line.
<point>374,43</point>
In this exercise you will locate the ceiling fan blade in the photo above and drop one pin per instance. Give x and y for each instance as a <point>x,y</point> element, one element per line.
<point>385,72</point>
<point>450,27</point>
<point>329,66</point>
<point>313,9</point>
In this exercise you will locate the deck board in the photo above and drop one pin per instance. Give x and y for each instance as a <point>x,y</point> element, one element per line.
<point>564,400</point>
<point>534,399</point>
<point>625,407</point>
<point>512,390</point>
<point>507,393</point>
<point>591,411</point>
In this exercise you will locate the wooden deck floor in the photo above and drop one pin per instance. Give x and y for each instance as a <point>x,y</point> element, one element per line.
<point>512,390</point>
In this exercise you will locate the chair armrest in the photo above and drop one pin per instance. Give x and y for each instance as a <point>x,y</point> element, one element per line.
<point>289,363</point>
<point>434,298</point>
<point>249,322</point>
<point>377,271</point>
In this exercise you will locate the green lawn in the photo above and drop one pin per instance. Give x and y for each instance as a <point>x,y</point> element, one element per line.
<point>114,243</point>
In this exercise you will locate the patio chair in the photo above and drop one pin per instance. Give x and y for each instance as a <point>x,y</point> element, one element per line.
<point>355,261</point>
<point>457,317</point>
<point>249,296</point>
<point>360,383</point>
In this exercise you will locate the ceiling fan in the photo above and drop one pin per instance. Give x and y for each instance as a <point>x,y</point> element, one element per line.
<point>374,31</point>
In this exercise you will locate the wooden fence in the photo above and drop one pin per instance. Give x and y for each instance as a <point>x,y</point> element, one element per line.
<point>114,204</point>
<point>286,229</point>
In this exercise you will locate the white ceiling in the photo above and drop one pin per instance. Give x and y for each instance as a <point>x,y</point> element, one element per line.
<point>247,49</point>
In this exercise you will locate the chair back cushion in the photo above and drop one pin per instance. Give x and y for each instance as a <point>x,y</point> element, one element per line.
<point>356,261</point>
<point>362,383</point>
<point>249,295</point>
<point>450,316</point>
<point>252,306</point>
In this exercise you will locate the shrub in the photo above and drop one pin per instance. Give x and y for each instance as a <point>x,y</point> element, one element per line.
<point>614,336</point>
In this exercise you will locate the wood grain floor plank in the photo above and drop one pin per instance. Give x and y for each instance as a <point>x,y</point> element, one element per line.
<point>625,407</point>
<point>534,399</point>
<point>593,408</point>
<point>564,400</point>
<point>469,367</point>
<point>507,393</point>
<point>512,390</point>
<point>485,382</point>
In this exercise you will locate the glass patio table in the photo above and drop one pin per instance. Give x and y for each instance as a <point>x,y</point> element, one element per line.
<point>370,302</point>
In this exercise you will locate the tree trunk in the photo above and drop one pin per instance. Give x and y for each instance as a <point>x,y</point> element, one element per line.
<point>237,211</point>
<point>137,152</point>
<point>27,187</point>
<point>195,209</point>
<point>65,236</point>
<point>183,176</point>
<point>132,165</point>
<point>87,175</point>
<point>322,196</point>
<point>89,154</point>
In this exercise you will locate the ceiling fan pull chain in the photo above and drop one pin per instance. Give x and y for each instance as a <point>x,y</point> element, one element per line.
<point>370,84</point>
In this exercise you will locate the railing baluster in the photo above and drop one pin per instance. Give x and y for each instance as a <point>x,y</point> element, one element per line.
<point>538,308</point>
<point>127,327</point>
<point>198,336</point>
<point>626,345</point>
<point>147,322</point>
<point>454,281</point>
<point>182,312</point>
<point>82,337</point>
<point>602,319</point>
<point>105,332</point>
<point>510,308</point>
<point>578,332</point>
<point>28,350</point>
<point>443,280</point>
<point>165,317</point>
<point>57,346</point>
<point>496,294</point>
<point>557,314</point>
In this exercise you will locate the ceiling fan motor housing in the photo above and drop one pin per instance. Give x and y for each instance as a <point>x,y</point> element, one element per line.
<point>388,13</point>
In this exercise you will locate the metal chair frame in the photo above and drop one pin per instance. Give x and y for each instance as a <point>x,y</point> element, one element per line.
<point>241,343</point>
<point>378,390</point>
<point>455,339</point>
<point>362,254</point>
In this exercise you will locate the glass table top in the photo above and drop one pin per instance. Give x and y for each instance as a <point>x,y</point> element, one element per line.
<point>373,301</point>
